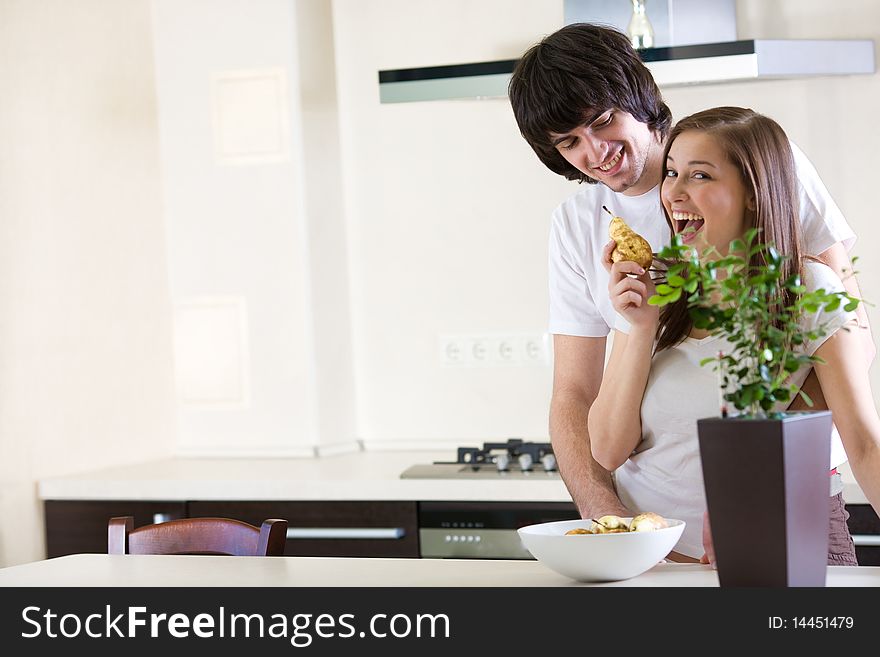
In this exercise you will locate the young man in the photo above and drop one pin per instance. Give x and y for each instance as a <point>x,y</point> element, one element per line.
<point>592,112</point>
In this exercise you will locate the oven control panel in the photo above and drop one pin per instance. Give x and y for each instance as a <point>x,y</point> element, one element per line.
<point>483,530</point>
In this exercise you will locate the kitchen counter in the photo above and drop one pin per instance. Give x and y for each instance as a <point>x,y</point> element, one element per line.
<point>366,475</point>
<point>132,571</point>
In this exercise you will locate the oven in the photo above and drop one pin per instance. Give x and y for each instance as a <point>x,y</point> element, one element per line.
<point>487,530</point>
<point>483,530</point>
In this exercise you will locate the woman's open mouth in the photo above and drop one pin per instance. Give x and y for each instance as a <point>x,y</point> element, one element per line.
<point>687,225</point>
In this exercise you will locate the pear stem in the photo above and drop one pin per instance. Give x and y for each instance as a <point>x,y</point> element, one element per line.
<point>608,211</point>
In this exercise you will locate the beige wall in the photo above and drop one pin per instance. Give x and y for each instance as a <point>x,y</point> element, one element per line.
<point>85,339</point>
<point>254,219</point>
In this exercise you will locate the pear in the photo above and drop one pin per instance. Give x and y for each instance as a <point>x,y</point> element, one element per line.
<point>647,522</point>
<point>630,245</point>
<point>609,525</point>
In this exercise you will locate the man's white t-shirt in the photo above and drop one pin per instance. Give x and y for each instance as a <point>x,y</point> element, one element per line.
<point>664,474</point>
<point>579,301</point>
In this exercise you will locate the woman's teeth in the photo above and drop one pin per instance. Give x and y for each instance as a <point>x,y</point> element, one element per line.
<point>687,222</point>
<point>611,164</point>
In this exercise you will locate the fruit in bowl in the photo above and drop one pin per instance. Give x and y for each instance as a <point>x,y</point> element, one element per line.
<point>589,556</point>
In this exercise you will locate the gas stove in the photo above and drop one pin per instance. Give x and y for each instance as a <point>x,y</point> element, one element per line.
<point>514,459</point>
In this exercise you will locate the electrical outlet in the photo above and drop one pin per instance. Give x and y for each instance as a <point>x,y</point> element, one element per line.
<point>452,351</point>
<point>536,349</point>
<point>506,351</point>
<point>479,351</point>
<point>494,350</point>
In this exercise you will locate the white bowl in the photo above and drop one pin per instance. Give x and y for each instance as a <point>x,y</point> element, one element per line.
<point>598,557</point>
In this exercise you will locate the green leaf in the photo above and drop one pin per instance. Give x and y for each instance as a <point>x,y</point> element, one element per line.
<point>834,304</point>
<point>851,306</point>
<point>806,398</point>
<point>663,300</point>
<point>675,281</point>
<point>663,289</point>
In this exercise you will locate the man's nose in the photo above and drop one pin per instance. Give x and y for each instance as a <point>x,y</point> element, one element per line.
<point>597,150</point>
<point>593,150</point>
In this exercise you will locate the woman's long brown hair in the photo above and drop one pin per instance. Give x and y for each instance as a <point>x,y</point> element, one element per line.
<point>760,150</point>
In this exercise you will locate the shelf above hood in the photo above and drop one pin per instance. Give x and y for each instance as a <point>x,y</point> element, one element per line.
<point>706,63</point>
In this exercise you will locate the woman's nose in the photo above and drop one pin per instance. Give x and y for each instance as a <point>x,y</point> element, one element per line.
<point>673,190</point>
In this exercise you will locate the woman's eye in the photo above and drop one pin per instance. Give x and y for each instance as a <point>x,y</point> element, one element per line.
<point>699,175</point>
<point>670,173</point>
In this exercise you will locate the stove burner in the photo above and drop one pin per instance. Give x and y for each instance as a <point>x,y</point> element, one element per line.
<point>514,459</point>
<point>500,455</point>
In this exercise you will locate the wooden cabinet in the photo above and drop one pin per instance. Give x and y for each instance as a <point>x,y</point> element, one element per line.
<point>74,526</point>
<point>331,529</point>
<point>338,529</point>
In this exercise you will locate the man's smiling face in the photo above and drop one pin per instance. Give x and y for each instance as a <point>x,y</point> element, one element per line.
<point>615,149</point>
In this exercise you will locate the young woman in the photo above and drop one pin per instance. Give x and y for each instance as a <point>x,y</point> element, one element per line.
<point>726,170</point>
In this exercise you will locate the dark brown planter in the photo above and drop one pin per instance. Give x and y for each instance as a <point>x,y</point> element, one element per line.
<point>766,487</point>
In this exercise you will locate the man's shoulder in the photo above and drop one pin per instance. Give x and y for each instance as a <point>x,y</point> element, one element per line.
<point>584,207</point>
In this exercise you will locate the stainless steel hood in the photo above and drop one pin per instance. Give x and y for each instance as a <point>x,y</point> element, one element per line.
<point>704,63</point>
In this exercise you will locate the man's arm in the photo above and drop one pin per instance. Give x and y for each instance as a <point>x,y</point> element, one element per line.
<point>837,258</point>
<point>577,374</point>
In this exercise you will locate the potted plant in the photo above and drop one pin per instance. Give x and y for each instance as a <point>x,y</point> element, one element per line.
<point>765,473</point>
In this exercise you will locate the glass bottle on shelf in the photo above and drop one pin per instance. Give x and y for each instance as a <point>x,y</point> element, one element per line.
<point>641,33</point>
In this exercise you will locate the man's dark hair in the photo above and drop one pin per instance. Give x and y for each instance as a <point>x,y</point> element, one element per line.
<point>577,71</point>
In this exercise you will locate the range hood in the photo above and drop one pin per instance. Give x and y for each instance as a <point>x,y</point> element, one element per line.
<point>705,63</point>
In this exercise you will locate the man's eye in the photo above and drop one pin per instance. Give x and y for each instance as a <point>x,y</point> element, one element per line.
<point>568,145</point>
<point>608,120</point>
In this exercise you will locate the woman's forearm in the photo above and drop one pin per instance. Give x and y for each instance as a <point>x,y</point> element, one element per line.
<point>615,417</point>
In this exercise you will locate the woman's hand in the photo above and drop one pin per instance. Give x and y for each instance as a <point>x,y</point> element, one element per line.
<point>630,294</point>
<point>709,554</point>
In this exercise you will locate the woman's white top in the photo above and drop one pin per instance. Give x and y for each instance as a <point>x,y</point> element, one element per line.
<point>663,474</point>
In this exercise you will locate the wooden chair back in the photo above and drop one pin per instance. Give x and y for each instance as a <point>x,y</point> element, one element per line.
<point>223,536</point>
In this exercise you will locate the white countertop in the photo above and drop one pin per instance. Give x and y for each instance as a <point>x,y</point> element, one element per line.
<point>128,570</point>
<point>366,475</point>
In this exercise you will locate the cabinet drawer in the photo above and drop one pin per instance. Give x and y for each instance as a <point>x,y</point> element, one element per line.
<point>331,529</point>
<point>74,526</point>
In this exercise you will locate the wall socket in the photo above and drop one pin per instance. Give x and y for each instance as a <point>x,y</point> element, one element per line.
<point>501,350</point>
